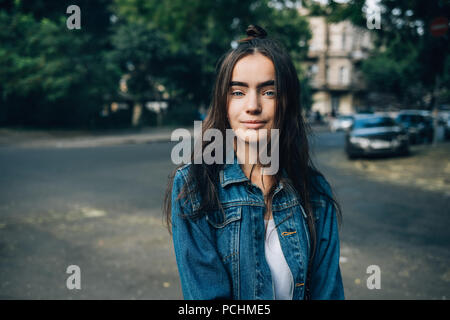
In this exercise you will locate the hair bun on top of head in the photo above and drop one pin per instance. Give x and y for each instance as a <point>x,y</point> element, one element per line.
<point>253,31</point>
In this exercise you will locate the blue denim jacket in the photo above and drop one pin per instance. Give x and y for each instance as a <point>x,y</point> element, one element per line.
<point>223,257</point>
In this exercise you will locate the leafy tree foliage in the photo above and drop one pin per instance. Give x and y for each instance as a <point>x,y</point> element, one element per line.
<point>196,33</point>
<point>53,76</point>
<point>50,75</point>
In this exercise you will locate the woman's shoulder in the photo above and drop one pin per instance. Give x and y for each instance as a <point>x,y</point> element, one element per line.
<point>322,183</point>
<point>321,191</point>
<point>184,190</point>
<point>182,172</point>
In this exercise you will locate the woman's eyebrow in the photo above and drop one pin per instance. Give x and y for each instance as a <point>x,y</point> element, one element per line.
<point>260,85</point>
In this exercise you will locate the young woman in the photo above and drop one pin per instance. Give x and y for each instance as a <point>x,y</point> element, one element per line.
<point>238,232</point>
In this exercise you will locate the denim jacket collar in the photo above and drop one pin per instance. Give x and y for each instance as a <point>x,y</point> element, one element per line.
<point>232,173</point>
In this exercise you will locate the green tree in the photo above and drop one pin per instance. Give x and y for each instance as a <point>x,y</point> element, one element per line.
<point>197,33</point>
<point>50,75</point>
<point>141,53</point>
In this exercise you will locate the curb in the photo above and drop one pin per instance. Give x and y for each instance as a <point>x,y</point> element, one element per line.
<point>89,141</point>
<point>97,141</point>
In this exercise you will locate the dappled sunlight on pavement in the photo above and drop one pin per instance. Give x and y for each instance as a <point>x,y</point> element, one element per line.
<point>427,167</point>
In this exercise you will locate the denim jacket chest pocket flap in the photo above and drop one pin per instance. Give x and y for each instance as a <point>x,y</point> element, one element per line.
<point>220,219</point>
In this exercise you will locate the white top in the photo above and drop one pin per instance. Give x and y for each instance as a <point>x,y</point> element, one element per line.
<point>281,274</point>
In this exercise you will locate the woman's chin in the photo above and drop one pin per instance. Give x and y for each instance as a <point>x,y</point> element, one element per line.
<point>248,135</point>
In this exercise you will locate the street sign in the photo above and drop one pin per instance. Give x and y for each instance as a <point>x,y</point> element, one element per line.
<point>439,26</point>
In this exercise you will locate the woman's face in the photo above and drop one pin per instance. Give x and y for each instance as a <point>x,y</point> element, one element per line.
<point>251,98</point>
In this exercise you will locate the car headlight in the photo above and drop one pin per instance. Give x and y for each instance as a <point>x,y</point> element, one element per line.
<point>363,142</point>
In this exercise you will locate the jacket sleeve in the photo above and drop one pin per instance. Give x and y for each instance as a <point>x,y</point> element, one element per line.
<point>326,280</point>
<point>202,273</point>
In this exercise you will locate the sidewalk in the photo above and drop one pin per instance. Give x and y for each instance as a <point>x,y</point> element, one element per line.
<point>81,139</point>
<point>29,138</point>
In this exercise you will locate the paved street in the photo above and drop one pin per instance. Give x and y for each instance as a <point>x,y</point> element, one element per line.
<point>398,225</point>
<point>100,208</point>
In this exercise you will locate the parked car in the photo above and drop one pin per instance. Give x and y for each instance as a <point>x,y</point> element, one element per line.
<point>373,134</point>
<point>341,123</point>
<point>419,125</point>
<point>444,121</point>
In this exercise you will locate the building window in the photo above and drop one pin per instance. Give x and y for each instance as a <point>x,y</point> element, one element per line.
<point>313,69</point>
<point>335,104</point>
<point>328,74</point>
<point>343,75</point>
<point>343,39</point>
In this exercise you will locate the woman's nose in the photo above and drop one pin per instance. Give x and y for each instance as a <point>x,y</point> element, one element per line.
<point>253,104</point>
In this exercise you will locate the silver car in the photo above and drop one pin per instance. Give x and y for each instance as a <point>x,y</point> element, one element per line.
<point>376,135</point>
<point>341,123</point>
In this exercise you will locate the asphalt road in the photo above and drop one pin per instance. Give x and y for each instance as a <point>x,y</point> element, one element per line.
<point>100,209</point>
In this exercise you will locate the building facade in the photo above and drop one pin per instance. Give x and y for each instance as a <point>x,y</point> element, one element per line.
<point>333,65</point>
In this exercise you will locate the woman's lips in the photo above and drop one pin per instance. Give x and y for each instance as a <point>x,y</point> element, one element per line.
<point>254,124</point>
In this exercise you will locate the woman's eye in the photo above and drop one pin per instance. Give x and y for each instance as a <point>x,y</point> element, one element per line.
<point>237,93</point>
<point>270,93</point>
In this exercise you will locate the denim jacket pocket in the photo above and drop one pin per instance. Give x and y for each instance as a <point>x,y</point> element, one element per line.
<point>220,219</point>
<point>226,229</point>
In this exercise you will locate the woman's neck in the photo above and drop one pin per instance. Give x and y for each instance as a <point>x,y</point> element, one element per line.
<point>247,155</point>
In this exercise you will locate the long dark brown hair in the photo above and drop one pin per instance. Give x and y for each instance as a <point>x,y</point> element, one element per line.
<point>293,142</point>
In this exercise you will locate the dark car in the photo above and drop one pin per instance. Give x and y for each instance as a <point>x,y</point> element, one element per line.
<point>445,122</point>
<point>376,135</point>
<point>419,125</point>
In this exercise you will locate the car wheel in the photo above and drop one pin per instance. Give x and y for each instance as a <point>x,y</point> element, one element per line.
<point>351,156</point>
<point>405,152</point>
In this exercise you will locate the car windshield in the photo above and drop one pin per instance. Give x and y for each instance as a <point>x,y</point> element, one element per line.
<point>410,118</point>
<point>374,122</point>
<point>345,118</point>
